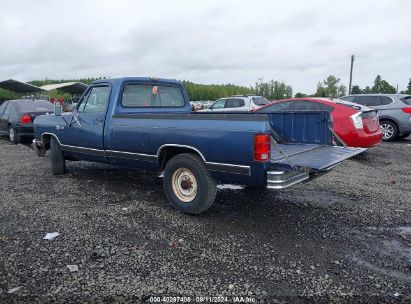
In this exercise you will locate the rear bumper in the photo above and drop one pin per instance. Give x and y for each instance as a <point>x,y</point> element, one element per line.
<point>277,180</point>
<point>362,139</point>
<point>24,131</point>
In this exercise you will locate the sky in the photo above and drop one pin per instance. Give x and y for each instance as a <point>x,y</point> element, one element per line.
<point>299,42</point>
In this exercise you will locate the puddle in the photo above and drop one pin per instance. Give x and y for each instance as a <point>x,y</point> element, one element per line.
<point>385,250</point>
<point>396,248</point>
<point>402,276</point>
<point>404,231</point>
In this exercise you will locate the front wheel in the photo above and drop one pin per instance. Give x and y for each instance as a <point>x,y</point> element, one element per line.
<point>389,130</point>
<point>188,185</point>
<point>58,163</point>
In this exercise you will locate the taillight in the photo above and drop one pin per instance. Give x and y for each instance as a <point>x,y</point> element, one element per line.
<point>25,119</point>
<point>406,110</point>
<point>262,147</point>
<point>357,120</point>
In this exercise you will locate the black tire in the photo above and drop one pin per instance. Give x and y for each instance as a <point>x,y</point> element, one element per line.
<point>389,129</point>
<point>58,163</point>
<point>13,136</point>
<point>199,190</point>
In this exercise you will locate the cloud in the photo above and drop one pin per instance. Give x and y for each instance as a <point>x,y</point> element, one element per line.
<point>300,42</point>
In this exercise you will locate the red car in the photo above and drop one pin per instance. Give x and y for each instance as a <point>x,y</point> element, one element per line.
<point>356,125</point>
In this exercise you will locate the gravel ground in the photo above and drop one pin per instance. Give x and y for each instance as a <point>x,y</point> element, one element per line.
<point>343,237</point>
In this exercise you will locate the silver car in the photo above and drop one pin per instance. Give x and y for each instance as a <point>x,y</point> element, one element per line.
<point>238,103</point>
<point>394,111</point>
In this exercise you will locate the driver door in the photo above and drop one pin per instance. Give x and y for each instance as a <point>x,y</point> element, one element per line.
<point>85,135</point>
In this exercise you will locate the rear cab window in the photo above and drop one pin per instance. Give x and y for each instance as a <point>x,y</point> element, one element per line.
<point>152,96</point>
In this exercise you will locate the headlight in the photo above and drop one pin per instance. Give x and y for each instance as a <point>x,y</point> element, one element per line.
<point>357,120</point>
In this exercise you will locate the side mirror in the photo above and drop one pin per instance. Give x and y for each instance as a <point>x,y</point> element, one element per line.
<point>57,108</point>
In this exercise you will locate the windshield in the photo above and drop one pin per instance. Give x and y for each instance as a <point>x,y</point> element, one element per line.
<point>35,106</point>
<point>260,101</point>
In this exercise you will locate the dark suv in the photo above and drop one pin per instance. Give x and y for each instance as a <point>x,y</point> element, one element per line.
<point>394,111</point>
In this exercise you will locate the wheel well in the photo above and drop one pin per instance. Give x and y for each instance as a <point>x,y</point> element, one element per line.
<point>169,152</point>
<point>390,120</point>
<point>46,141</point>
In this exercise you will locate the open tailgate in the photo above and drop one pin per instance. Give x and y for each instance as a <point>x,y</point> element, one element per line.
<point>305,142</point>
<point>310,156</point>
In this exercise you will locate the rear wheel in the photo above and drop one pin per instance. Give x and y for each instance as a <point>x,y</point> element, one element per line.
<point>13,136</point>
<point>188,185</point>
<point>389,130</point>
<point>58,163</point>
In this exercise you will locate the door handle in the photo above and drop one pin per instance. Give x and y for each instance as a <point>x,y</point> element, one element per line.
<point>99,121</point>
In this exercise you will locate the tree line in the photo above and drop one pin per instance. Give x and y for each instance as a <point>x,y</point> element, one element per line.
<point>271,89</point>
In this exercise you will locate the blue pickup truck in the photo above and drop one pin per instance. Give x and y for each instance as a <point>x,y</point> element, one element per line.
<point>147,123</point>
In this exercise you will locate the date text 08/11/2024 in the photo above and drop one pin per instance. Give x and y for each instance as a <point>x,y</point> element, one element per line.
<point>202,299</point>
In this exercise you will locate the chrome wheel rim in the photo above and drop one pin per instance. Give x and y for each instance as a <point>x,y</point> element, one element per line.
<point>11,134</point>
<point>387,130</point>
<point>184,185</point>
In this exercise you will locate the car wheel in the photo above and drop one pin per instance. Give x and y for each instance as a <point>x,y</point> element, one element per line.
<point>389,130</point>
<point>58,163</point>
<point>13,136</point>
<point>188,184</point>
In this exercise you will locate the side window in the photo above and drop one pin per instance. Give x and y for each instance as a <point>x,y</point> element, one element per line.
<point>7,109</point>
<point>281,106</point>
<point>305,106</point>
<point>348,98</point>
<point>2,107</point>
<point>95,101</point>
<point>152,96</point>
<point>385,100</point>
<point>12,109</point>
<point>219,104</point>
<point>406,100</point>
<point>235,103</point>
<point>369,101</point>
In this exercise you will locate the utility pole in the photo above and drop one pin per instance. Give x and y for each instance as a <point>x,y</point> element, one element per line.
<point>352,63</point>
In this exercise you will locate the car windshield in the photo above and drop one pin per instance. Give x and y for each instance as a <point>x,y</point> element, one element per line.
<point>260,101</point>
<point>35,106</point>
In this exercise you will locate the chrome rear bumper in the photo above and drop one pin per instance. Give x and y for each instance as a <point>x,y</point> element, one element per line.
<point>284,179</point>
